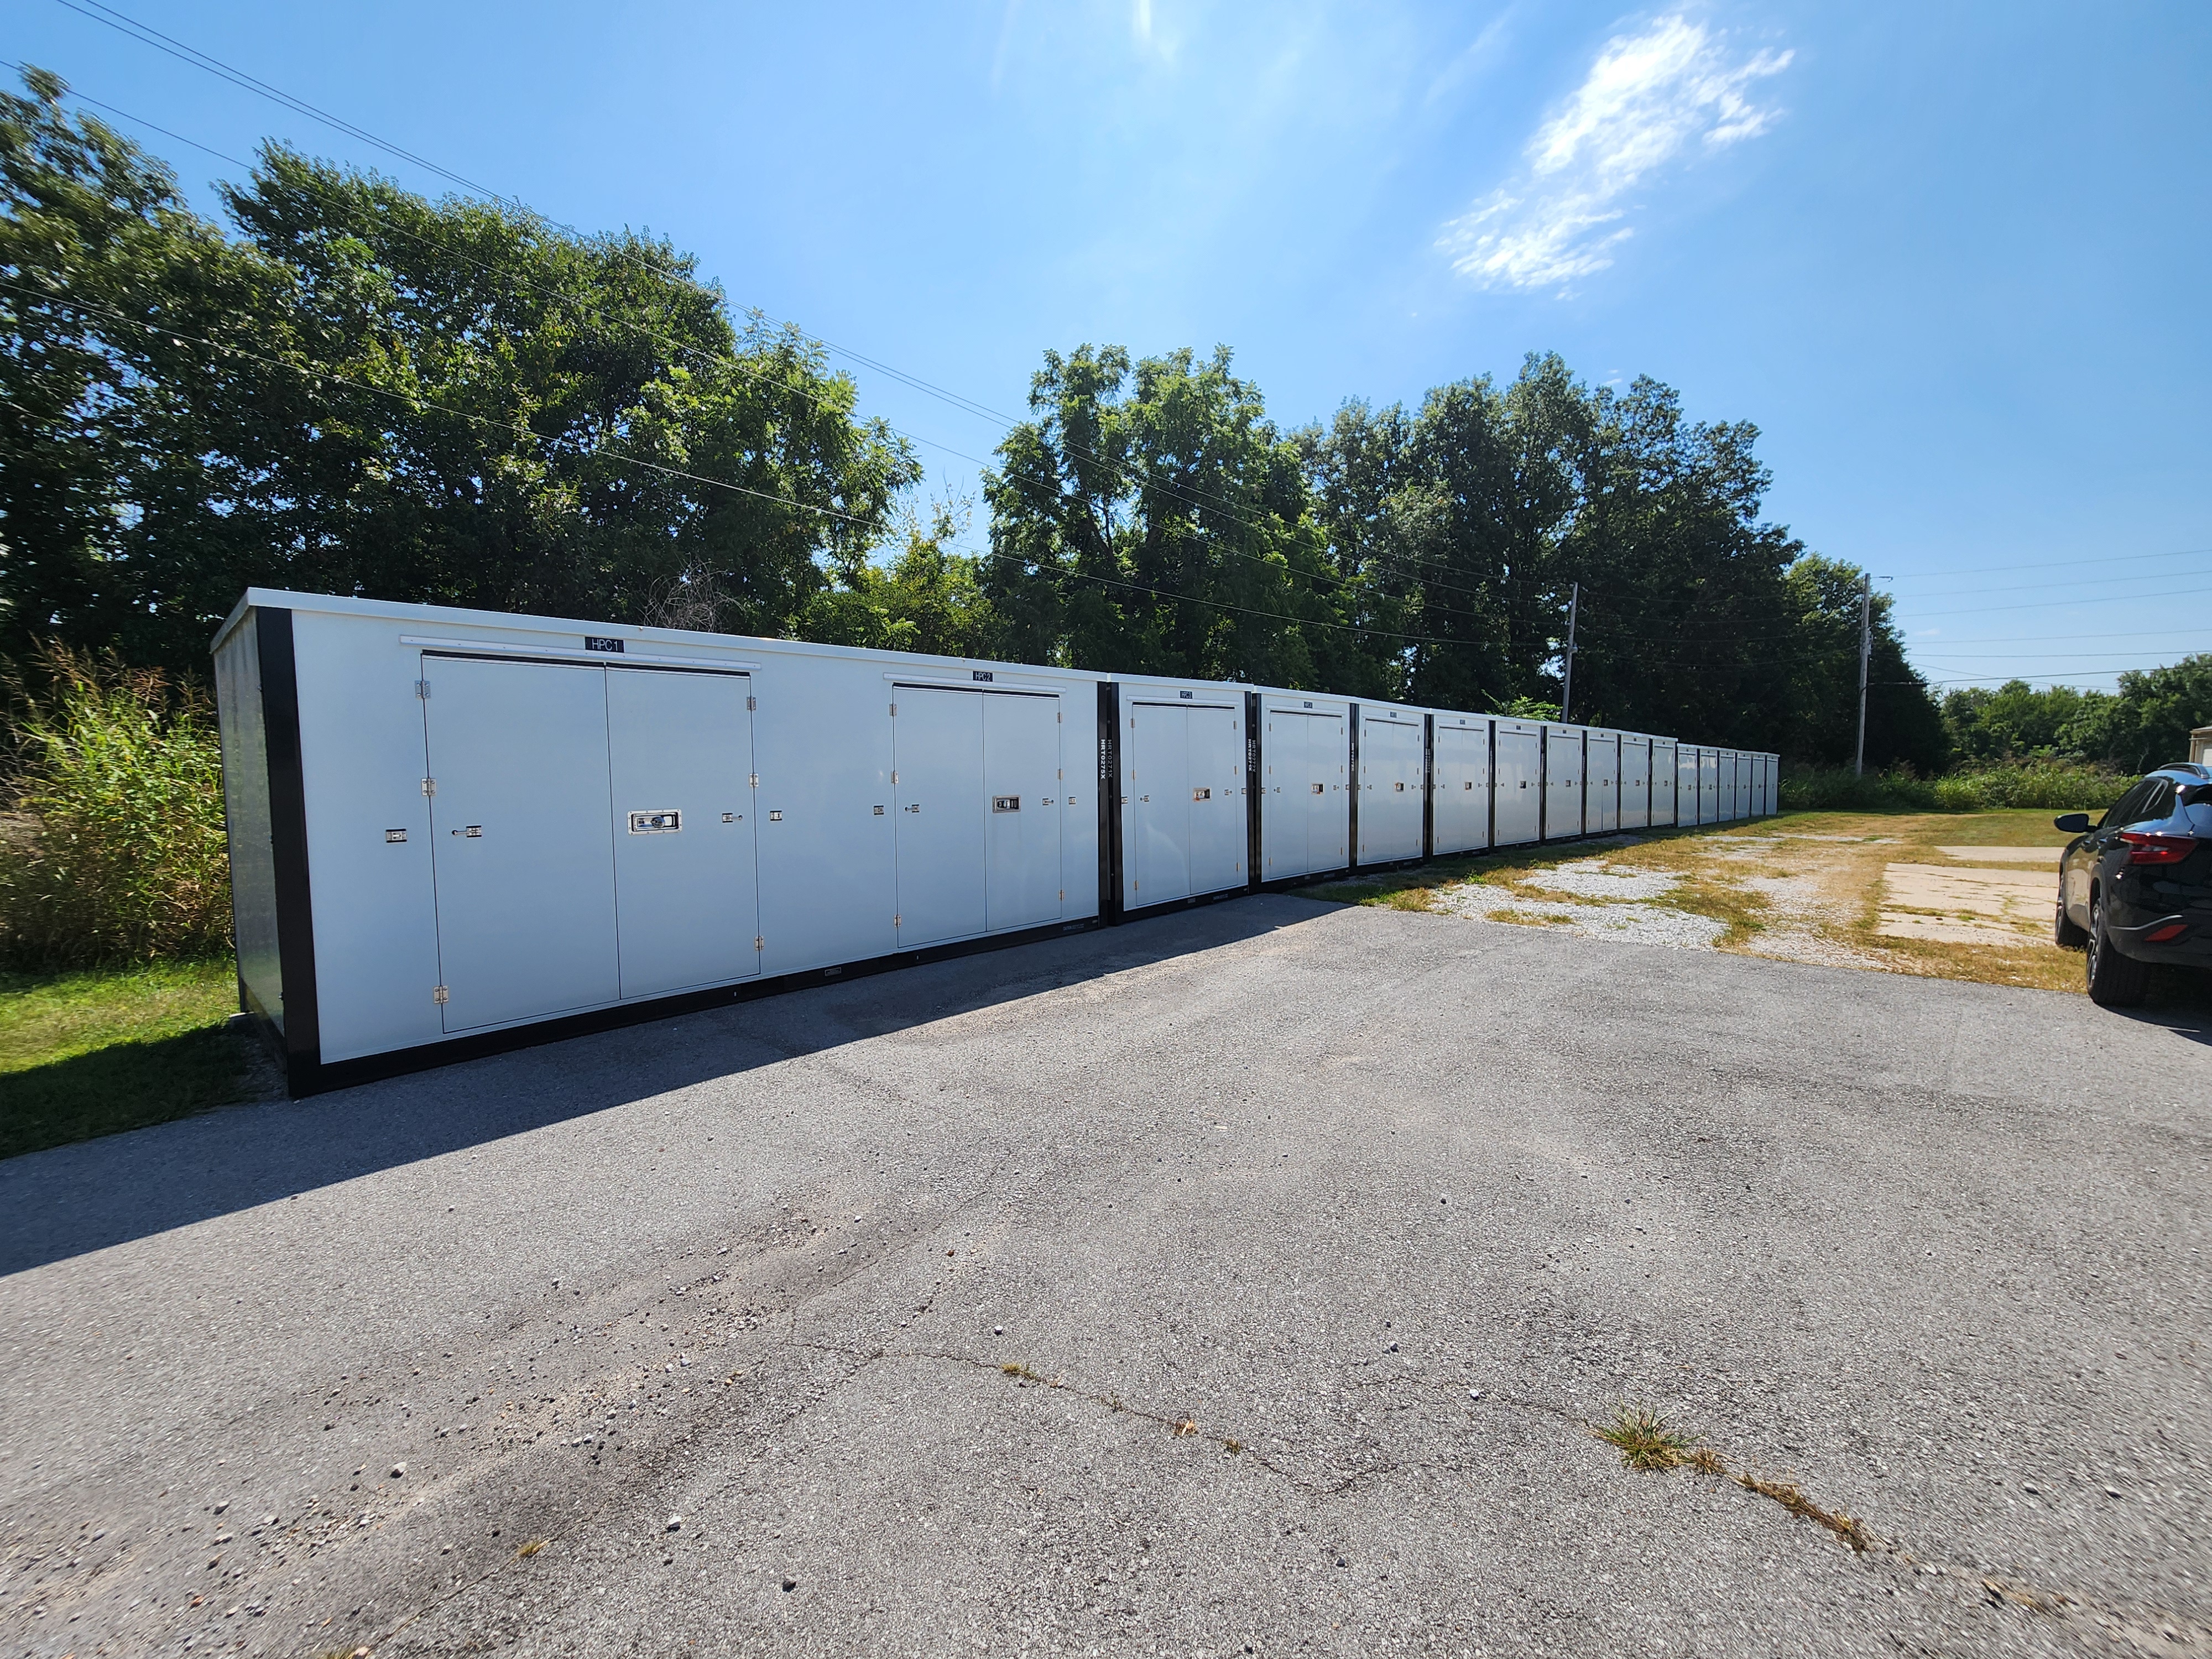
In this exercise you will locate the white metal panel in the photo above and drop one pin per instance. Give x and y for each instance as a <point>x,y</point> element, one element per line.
<point>1305,759</point>
<point>1022,829</point>
<point>942,806</point>
<point>1519,794</point>
<point>1663,781</point>
<point>1184,827</point>
<point>1391,751</point>
<point>1562,781</point>
<point>520,841</point>
<point>1156,813</point>
<point>1460,767</point>
<point>1220,830</point>
<point>1738,786</point>
<point>1708,772</point>
<point>687,894</point>
<point>1602,788</point>
<point>1635,782</point>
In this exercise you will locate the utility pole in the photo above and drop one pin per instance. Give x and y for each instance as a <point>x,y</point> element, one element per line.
<point>1866,652</point>
<point>1567,682</point>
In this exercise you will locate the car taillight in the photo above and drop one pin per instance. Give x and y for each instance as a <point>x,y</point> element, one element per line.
<point>2156,847</point>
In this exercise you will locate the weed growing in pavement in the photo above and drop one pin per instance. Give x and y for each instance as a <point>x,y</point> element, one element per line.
<point>1788,1494</point>
<point>530,1548</point>
<point>1644,1439</point>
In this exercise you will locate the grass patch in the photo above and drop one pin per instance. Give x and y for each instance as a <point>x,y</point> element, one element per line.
<point>92,1052</point>
<point>1646,1440</point>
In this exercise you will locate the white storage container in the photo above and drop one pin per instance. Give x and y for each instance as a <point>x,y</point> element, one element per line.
<point>1562,781</point>
<point>1460,769</point>
<point>1518,797</point>
<point>1305,784</point>
<point>447,824</point>
<point>1602,782</point>
<point>1393,748</point>
<point>1635,781</point>
<point>1185,829</point>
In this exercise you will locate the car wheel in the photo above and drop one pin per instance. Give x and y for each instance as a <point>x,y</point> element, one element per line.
<point>2069,935</point>
<point>2115,980</point>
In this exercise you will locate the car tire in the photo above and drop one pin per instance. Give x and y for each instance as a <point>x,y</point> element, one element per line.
<point>2115,980</point>
<point>2069,936</point>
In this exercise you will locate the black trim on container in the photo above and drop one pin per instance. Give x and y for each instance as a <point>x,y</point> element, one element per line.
<point>1428,786</point>
<point>1252,792</point>
<point>1543,784</point>
<point>301,1041</point>
<point>1109,803</point>
<point>1489,832</point>
<point>1351,829</point>
<point>397,1062</point>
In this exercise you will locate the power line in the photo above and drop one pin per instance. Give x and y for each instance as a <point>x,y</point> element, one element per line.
<point>93,10</point>
<point>2053,564</point>
<point>419,402</point>
<point>1318,578</point>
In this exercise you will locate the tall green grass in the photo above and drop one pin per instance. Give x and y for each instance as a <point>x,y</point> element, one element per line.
<point>2061,785</point>
<point>114,848</point>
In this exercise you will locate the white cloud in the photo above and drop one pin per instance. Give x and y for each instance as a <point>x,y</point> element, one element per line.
<point>1647,97</point>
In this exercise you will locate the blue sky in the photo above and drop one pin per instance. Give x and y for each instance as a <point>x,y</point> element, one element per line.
<point>1951,260</point>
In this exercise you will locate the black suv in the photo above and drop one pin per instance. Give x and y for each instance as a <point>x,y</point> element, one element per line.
<point>2137,889</point>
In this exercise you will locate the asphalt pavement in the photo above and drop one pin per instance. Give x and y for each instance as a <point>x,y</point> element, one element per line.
<point>1248,1281</point>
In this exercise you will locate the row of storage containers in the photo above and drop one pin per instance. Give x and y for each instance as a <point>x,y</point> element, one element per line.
<point>454,831</point>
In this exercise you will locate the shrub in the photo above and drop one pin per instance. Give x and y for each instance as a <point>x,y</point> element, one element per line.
<point>119,851</point>
<point>2062,785</point>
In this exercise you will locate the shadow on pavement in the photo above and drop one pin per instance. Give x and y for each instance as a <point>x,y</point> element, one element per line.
<point>68,1200</point>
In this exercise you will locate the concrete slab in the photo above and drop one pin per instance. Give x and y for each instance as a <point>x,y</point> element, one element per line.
<point>1246,1280</point>
<point>2043,857</point>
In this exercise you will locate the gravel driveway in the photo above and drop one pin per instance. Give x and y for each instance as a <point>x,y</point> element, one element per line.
<point>1244,1282</point>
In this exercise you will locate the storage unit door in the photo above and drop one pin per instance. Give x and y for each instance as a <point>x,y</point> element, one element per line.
<point>687,894</point>
<point>1563,786</point>
<point>1743,765</point>
<point>1328,791</point>
<point>1635,783</point>
<point>1390,788</point>
<point>1462,788</point>
<point>937,749</point>
<point>1662,784</point>
<point>1520,758</point>
<point>1602,801</point>
<point>1155,815</point>
<point>1709,773</point>
<point>522,857</point>
<point>1219,833</point>
<point>1021,774</point>
<point>1284,809</point>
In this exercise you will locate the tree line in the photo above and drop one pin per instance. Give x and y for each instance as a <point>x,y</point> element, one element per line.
<point>346,387</point>
<point>2145,722</point>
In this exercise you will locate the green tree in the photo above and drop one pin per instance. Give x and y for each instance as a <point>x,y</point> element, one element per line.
<point>1150,517</point>
<point>367,392</point>
<point>1903,727</point>
<point>928,599</point>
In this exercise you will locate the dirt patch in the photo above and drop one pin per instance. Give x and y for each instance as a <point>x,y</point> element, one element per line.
<point>1945,895</point>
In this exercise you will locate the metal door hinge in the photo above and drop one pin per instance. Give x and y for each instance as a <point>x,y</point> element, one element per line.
<point>423,690</point>
<point>751,703</point>
<point>438,993</point>
<point>429,785</point>
<point>898,922</point>
<point>895,708</point>
<point>759,944</point>
<point>754,780</point>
